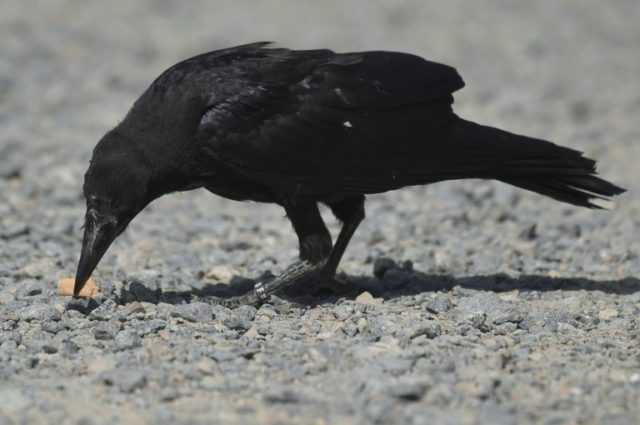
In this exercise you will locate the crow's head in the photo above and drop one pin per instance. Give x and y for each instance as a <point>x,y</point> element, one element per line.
<point>117,186</point>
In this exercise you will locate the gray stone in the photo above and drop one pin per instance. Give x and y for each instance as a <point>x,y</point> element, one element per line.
<point>431,331</point>
<point>350,329</point>
<point>441,304</point>
<point>281,394</point>
<point>477,321</point>
<point>512,316</point>
<point>553,317</point>
<point>126,380</point>
<point>7,349</point>
<point>69,349</point>
<point>51,327</point>
<point>382,265</point>
<point>39,312</point>
<point>407,391</point>
<point>240,319</point>
<point>38,346</point>
<point>396,365</point>
<point>127,340</point>
<point>31,289</point>
<point>151,327</point>
<point>106,330</point>
<point>342,312</point>
<point>8,325</point>
<point>14,336</point>
<point>105,311</point>
<point>246,312</point>
<point>224,356</point>
<point>505,328</point>
<point>194,312</point>
<point>49,348</point>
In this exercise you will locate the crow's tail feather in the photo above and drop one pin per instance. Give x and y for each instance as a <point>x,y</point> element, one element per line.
<point>539,166</point>
<point>581,190</point>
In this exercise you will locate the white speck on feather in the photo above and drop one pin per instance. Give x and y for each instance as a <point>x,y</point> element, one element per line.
<point>347,124</point>
<point>338,91</point>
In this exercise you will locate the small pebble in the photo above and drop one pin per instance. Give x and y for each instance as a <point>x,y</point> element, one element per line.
<point>608,313</point>
<point>39,312</point>
<point>381,266</point>
<point>439,305</point>
<point>194,312</point>
<point>127,340</point>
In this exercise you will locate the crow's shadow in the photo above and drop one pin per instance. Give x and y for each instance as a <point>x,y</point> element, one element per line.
<point>400,283</point>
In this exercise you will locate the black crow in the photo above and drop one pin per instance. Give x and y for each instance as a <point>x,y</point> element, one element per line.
<point>303,127</point>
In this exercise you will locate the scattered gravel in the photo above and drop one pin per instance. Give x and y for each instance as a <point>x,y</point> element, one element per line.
<point>466,302</point>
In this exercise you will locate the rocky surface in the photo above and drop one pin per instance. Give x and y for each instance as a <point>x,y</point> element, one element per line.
<point>468,302</point>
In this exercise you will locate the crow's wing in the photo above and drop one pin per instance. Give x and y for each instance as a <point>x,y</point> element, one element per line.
<point>319,121</point>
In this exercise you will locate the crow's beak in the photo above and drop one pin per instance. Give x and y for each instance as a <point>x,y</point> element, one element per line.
<point>99,232</point>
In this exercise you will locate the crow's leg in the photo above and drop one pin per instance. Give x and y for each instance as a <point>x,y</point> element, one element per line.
<point>351,212</point>
<point>316,254</point>
<point>314,238</point>
<point>262,291</point>
<point>315,247</point>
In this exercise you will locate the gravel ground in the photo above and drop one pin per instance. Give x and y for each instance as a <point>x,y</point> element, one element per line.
<point>470,302</point>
